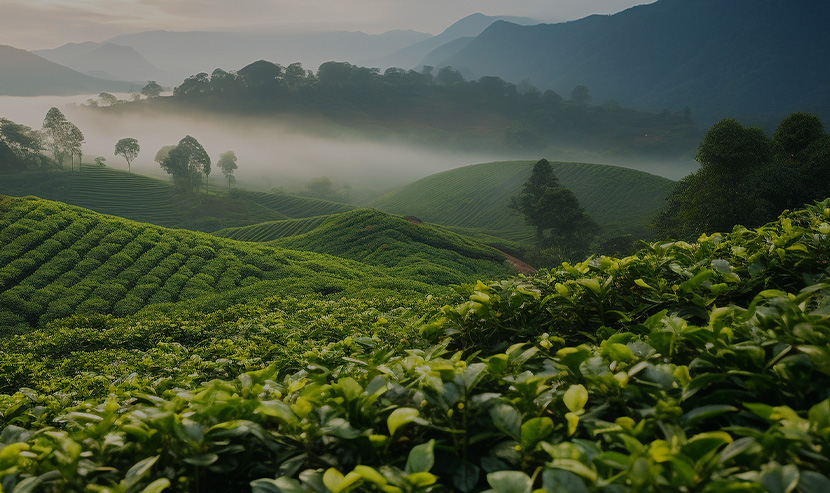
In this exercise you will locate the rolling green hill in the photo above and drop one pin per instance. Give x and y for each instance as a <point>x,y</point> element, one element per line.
<point>621,200</point>
<point>293,206</point>
<point>57,260</point>
<point>271,230</point>
<point>414,251</point>
<point>145,199</point>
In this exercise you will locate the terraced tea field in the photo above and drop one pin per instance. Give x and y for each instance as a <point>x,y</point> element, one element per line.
<point>58,260</point>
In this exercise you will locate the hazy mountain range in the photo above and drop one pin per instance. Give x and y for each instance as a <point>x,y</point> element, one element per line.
<point>756,60</point>
<point>753,59</point>
<point>23,73</point>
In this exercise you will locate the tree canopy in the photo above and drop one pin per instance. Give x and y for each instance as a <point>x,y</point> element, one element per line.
<point>563,230</point>
<point>227,163</point>
<point>186,162</point>
<point>128,148</point>
<point>748,178</point>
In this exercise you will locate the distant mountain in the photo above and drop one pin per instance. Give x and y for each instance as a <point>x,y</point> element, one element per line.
<point>188,53</point>
<point>468,27</point>
<point>23,73</point>
<point>753,59</point>
<point>107,60</point>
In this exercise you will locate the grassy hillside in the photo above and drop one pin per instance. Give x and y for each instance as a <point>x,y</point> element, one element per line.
<point>621,200</point>
<point>146,199</point>
<point>271,230</point>
<point>293,206</point>
<point>57,260</point>
<point>414,251</point>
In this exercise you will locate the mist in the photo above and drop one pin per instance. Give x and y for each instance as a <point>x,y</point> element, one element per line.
<point>272,154</point>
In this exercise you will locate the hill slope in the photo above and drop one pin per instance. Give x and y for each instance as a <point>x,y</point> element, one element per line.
<point>469,26</point>
<point>414,251</point>
<point>145,199</point>
<point>738,58</point>
<point>25,74</point>
<point>106,60</point>
<point>621,200</point>
<point>57,260</point>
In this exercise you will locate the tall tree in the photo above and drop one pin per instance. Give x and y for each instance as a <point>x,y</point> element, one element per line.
<point>796,132</point>
<point>74,141</point>
<point>563,229</point>
<point>152,89</point>
<point>227,163</point>
<point>21,140</point>
<point>186,162</point>
<point>128,148</point>
<point>55,132</point>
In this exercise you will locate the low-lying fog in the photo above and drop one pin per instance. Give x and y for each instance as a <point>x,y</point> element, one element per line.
<point>269,154</point>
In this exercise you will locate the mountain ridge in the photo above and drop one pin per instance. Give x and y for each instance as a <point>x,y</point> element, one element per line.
<point>753,60</point>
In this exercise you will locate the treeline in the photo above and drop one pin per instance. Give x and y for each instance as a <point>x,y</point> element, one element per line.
<point>747,177</point>
<point>520,116</point>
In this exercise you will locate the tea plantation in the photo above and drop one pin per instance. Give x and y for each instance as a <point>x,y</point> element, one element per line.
<point>698,367</point>
<point>58,260</point>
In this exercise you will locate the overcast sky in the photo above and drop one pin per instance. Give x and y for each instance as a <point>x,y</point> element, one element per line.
<point>39,24</point>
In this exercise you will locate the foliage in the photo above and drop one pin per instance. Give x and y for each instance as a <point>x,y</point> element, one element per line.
<point>686,367</point>
<point>561,224</point>
<point>488,113</point>
<point>747,178</point>
<point>227,163</point>
<point>187,162</point>
<point>622,201</point>
<point>62,137</point>
<point>128,148</point>
<point>20,146</point>
<point>152,89</point>
<point>145,199</point>
<point>58,260</point>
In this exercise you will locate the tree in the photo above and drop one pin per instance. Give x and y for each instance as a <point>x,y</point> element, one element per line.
<point>100,160</point>
<point>152,89</point>
<point>796,132</point>
<point>128,148</point>
<point>743,181</point>
<point>108,99</point>
<point>74,140</point>
<point>21,140</point>
<point>185,161</point>
<point>55,132</point>
<point>448,76</point>
<point>730,149</point>
<point>227,163</point>
<point>563,229</point>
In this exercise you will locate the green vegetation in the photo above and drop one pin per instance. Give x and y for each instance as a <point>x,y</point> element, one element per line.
<point>622,201</point>
<point>272,230</point>
<point>563,231</point>
<point>420,252</point>
<point>59,260</point>
<point>685,367</point>
<point>441,110</point>
<point>293,206</point>
<point>20,146</point>
<point>747,177</point>
<point>145,199</point>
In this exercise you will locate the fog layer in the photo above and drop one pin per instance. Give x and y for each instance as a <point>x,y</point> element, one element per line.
<point>270,154</point>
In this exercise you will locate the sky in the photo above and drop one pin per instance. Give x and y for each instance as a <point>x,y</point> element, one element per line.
<point>43,24</point>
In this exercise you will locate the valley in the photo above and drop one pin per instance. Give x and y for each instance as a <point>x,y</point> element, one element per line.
<point>387,247</point>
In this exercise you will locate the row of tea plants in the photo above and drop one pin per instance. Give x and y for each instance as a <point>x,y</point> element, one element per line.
<point>686,367</point>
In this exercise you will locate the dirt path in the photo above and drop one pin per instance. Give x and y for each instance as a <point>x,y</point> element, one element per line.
<point>520,266</point>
